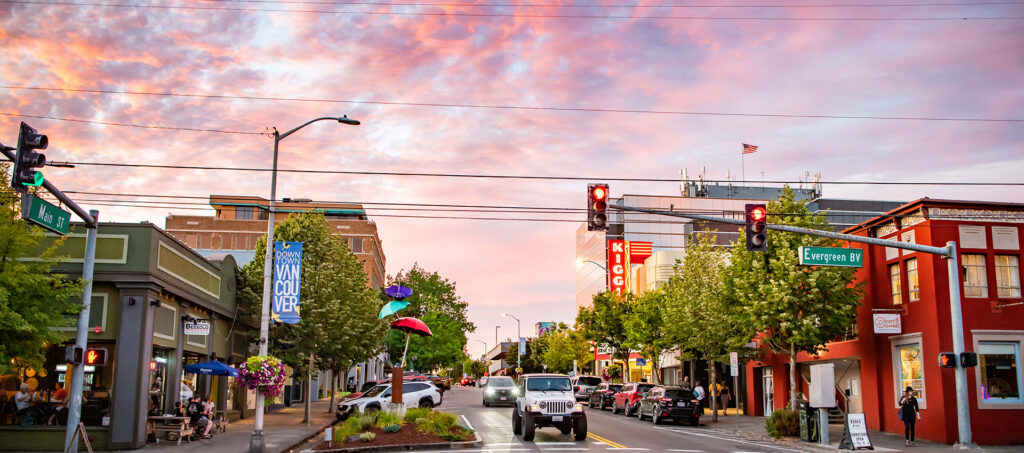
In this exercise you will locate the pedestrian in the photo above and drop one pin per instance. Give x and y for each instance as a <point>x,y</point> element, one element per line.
<point>716,393</point>
<point>726,396</point>
<point>910,413</point>
<point>698,392</point>
<point>686,383</point>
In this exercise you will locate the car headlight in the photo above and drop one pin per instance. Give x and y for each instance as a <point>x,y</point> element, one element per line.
<point>515,391</point>
<point>578,408</point>
<point>489,391</point>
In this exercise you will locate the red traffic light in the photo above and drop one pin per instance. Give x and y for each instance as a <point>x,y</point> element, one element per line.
<point>600,193</point>
<point>758,213</point>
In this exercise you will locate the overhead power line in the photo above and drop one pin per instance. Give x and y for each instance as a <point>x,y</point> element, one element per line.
<point>513,15</point>
<point>142,126</point>
<point>510,107</point>
<point>620,5</point>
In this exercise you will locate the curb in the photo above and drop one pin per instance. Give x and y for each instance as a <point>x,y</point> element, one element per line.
<point>295,445</point>
<point>408,447</point>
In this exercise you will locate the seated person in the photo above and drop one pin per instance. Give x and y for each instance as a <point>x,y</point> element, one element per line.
<point>60,410</point>
<point>198,421</point>
<point>24,399</point>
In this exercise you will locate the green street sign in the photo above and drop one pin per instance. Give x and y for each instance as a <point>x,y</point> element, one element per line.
<point>830,256</point>
<point>46,215</point>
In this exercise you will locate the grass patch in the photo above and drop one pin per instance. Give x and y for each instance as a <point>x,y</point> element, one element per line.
<point>436,423</point>
<point>388,418</point>
<point>414,413</point>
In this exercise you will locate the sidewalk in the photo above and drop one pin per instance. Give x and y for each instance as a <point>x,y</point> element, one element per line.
<point>282,429</point>
<point>753,428</point>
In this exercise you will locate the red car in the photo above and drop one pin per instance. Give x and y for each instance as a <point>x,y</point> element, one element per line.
<point>628,400</point>
<point>468,381</point>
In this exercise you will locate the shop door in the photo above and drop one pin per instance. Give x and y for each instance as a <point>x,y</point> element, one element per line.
<point>768,395</point>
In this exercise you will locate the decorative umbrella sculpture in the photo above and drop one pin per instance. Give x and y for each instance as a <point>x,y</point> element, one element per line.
<point>391,308</point>
<point>410,326</point>
<point>398,292</point>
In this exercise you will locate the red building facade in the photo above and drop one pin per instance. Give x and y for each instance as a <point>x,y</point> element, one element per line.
<point>872,368</point>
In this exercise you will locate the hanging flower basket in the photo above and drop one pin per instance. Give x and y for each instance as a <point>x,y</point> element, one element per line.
<point>264,374</point>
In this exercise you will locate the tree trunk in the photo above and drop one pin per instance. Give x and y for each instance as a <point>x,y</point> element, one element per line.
<point>655,371</point>
<point>625,368</point>
<point>792,377</point>
<point>712,376</point>
<point>693,369</point>
<point>334,379</point>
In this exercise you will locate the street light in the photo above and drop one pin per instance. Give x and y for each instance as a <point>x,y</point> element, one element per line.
<point>581,261</point>
<point>256,441</point>
<point>519,354</point>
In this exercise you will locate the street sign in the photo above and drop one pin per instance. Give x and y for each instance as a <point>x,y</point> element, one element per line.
<point>734,359</point>
<point>831,256</point>
<point>734,370</point>
<point>640,361</point>
<point>46,215</point>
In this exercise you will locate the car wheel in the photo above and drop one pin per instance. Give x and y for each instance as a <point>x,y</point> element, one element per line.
<point>615,409</point>
<point>694,421</point>
<point>579,428</point>
<point>639,412</point>
<point>486,404</point>
<point>372,409</point>
<point>654,417</point>
<point>426,403</point>
<point>529,429</point>
<point>628,410</point>
<point>517,422</point>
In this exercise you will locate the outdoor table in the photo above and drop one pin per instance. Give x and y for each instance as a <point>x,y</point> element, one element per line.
<point>173,426</point>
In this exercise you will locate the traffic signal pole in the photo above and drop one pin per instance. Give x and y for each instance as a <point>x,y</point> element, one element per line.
<point>956,318</point>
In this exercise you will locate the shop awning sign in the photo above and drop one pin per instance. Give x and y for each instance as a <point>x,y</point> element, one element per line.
<point>287,281</point>
<point>887,323</point>
<point>197,328</point>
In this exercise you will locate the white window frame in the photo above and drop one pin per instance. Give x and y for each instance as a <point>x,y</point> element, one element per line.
<point>1001,336</point>
<point>967,273</point>
<point>896,342</point>
<point>895,287</point>
<point>913,281</point>
<point>1013,273</point>
<point>907,237</point>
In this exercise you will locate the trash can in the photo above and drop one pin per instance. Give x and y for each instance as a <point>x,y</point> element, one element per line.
<point>809,423</point>
<point>288,396</point>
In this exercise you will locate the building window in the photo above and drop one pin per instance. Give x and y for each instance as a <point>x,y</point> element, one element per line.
<point>1000,375</point>
<point>912,281</point>
<point>357,245</point>
<point>975,283</point>
<point>895,284</point>
<point>910,370</point>
<point>1007,276</point>
<point>243,213</point>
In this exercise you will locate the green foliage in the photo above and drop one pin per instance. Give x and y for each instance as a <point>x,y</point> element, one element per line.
<point>435,302</point>
<point>386,418</point>
<point>348,428</point>
<point>451,437</point>
<point>783,422</point>
<point>795,308</point>
<point>33,299</point>
<point>436,423</point>
<point>367,437</point>
<point>475,368</point>
<point>339,311</point>
<point>614,372</point>
<point>563,347</point>
<point>467,430</point>
<point>392,428</point>
<point>366,420</point>
<point>646,328</point>
<point>414,413</point>
<point>604,323</point>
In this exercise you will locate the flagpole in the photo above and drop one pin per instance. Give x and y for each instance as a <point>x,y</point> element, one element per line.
<point>743,167</point>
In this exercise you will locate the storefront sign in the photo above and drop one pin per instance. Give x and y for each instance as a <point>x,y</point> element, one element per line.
<point>855,433</point>
<point>639,251</point>
<point>887,323</point>
<point>618,267</point>
<point>197,328</point>
<point>287,280</point>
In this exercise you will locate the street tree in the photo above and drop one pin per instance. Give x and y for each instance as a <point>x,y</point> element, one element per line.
<point>338,309</point>
<point>793,308</point>
<point>646,329</point>
<point>435,302</point>
<point>604,323</point>
<point>33,299</point>
<point>564,348</point>
<point>533,360</point>
<point>695,305</point>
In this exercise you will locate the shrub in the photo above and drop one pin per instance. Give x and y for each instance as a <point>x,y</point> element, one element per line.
<point>392,428</point>
<point>467,430</point>
<point>414,413</point>
<point>388,418</point>
<point>365,421</point>
<point>347,429</point>
<point>367,437</point>
<point>783,422</point>
<point>436,423</point>
<point>451,437</point>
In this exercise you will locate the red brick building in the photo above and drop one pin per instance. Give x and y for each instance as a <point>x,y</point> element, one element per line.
<point>872,368</point>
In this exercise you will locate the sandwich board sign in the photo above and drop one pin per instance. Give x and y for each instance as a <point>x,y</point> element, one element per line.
<point>855,434</point>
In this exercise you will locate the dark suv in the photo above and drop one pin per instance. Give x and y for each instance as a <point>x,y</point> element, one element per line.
<point>670,403</point>
<point>604,395</point>
<point>629,398</point>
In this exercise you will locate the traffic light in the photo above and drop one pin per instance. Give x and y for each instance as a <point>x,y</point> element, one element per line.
<point>947,360</point>
<point>73,355</point>
<point>597,207</point>
<point>757,228</point>
<point>27,159</point>
<point>968,359</point>
<point>96,357</point>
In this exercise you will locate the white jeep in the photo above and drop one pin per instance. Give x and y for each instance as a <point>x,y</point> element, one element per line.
<point>547,400</point>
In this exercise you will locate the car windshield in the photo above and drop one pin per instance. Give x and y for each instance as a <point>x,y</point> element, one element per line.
<point>588,381</point>
<point>644,388</point>
<point>376,390</point>
<point>677,393</point>
<point>615,388</point>
<point>556,384</point>
<point>501,382</point>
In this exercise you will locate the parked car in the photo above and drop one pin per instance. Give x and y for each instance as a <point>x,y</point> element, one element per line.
<point>670,403</point>
<point>547,400</point>
<point>500,390</point>
<point>583,385</point>
<point>628,399</point>
<point>439,382</point>
<point>422,394</point>
<point>604,395</point>
<point>468,381</point>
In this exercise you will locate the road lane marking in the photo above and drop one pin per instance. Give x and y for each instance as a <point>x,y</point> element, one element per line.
<point>725,438</point>
<point>606,441</point>
<point>686,451</point>
<point>467,422</point>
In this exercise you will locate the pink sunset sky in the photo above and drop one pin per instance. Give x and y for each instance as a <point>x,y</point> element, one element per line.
<point>623,96</point>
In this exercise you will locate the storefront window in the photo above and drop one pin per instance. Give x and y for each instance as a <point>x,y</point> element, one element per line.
<point>911,370</point>
<point>912,281</point>
<point>1007,276</point>
<point>1000,376</point>
<point>894,284</point>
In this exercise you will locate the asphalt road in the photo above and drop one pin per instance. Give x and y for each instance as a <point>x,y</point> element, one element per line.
<point>606,432</point>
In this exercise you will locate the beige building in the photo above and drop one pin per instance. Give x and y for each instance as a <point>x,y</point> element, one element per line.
<point>241,220</point>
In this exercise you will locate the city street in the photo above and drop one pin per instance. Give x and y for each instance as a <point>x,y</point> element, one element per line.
<point>605,432</point>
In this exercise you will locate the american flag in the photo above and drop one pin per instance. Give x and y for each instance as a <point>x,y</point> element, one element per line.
<point>749,149</point>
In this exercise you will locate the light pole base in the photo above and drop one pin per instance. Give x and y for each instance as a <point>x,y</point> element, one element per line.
<point>256,442</point>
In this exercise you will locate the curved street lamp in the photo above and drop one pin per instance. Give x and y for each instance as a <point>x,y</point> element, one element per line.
<point>256,442</point>
<point>519,336</point>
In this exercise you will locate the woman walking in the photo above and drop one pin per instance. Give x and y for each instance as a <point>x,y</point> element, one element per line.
<point>909,413</point>
<point>725,398</point>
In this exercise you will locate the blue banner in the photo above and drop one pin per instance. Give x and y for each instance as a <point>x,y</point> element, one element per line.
<point>287,281</point>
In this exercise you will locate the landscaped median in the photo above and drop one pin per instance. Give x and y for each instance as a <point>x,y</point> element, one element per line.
<point>385,430</point>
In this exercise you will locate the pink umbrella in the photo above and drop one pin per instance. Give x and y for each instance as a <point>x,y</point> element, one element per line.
<point>410,326</point>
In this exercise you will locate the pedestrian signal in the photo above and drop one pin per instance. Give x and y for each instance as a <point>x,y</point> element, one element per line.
<point>947,360</point>
<point>96,357</point>
<point>968,359</point>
